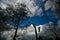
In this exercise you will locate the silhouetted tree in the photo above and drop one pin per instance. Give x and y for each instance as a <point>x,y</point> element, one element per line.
<point>3,18</point>
<point>15,15</point>
<point>19,15</point>
<point>35,32</point>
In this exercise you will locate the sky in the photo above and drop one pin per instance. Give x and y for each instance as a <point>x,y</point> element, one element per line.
<point>43,12</point>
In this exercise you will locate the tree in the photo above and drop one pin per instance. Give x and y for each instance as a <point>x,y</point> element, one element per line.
<point>3,18</point>
<point>54,29</point>
<point>18,16</point>
<point>14,16</point>
<point>35,31</point>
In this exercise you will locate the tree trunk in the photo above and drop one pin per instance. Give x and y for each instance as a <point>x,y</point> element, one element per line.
<point>14,38</point>
<point>35,32</point>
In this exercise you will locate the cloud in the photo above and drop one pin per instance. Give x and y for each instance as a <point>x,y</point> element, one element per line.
<point>49,30</point>
<point>58,28</point>
<point>25,33</point>
<point>46,32</point>
<point>8,34</point>
<point>28,33</point>
<point>32,7</point>
<point>49,4</point>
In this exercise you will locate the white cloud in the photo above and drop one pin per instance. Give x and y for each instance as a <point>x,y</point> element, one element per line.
<point>28,33</point>
<point>49,4</point>
<point>39,12</point>
<point>58,28</point>
<point>29,3</point>
<point>3,6</point>
<point>8,34</point>
<point>43,0</point>
<point>25,33</point>
<point>47,30</point>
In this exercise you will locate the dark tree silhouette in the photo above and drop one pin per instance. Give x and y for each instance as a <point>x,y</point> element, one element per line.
<point>37,38</point>
<point>19,15</point>
<point>3,18</point>
<point>16,16</point>
<point>35,32</point>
